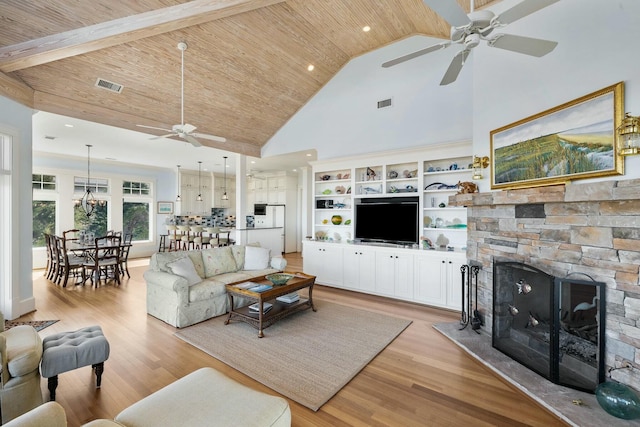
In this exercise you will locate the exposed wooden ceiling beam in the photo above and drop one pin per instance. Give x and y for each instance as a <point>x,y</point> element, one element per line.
<point>123,30</point>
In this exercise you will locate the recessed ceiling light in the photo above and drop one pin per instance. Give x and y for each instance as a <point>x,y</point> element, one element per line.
<point>294,170</point>
<point>310,67</point>
<point>308,154</point>
<point>68,125</point>
<point>253,162</point>
<point>366,28</point>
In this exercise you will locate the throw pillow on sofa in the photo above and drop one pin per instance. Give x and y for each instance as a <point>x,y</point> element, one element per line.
<point>256,258</point>
<point>218,261</point>
<point>184,267</point>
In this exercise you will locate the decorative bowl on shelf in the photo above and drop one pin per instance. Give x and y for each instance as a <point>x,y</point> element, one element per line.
<point>279,279</point>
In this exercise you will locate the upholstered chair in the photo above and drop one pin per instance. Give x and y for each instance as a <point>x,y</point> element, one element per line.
<point>21,351</point>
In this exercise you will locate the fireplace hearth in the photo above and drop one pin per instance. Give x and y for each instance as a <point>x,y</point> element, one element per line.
<point>554,326</point>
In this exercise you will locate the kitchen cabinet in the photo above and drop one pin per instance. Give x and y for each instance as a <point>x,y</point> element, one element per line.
<point>190,187</point>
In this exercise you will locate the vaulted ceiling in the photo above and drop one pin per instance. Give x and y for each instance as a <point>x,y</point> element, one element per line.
<point>245,67</point>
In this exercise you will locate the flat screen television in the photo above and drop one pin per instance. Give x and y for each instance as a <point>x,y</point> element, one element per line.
<point>387,220</point>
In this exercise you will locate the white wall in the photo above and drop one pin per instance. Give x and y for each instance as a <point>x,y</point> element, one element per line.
<point>16,287</point>
<point>596,48</point>
<point>342,119</point>
<point>496,87</point>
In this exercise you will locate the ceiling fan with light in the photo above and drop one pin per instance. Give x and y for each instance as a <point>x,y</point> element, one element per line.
<point>469,30</point>
<point>184,130</point>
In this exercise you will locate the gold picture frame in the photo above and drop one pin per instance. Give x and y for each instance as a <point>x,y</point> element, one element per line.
<point>165,208</point>
<point>575,140</point>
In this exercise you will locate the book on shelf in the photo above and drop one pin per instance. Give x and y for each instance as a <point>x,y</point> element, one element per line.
<point>266,306</point>
<point>289,298</point>
<point>260,288</point>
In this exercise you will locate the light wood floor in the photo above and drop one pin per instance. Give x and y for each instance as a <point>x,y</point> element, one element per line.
<point>420,379</point>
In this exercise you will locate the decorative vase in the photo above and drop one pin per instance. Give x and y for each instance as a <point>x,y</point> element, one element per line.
<point>618,400</point>
<point>336,220</point>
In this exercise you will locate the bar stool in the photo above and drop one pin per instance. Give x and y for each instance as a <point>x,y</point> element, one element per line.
<point>214,236</point>
<point>174,241</point>
<point>162,243</point>
<point>187,237</point>
<point>199,239</point>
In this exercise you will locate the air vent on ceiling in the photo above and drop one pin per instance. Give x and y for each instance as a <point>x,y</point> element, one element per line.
<point>384,103</point>
<point>110,86</point>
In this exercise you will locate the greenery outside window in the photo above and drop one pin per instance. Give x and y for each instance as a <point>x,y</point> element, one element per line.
<point>136,219</point>
<point>96,223</point>
<point>44,221</point>
<point>43,182</point>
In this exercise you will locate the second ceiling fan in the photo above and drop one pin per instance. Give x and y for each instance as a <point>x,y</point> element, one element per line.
<point>469,30</point>
<point>185,130</point>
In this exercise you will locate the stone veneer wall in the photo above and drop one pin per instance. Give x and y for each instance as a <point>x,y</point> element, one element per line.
<point>589,228</point>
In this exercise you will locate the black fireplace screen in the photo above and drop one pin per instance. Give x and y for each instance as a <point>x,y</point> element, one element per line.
<point>553,326</point>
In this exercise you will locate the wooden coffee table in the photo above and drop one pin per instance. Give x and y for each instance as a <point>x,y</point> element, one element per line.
<point>279,310</point>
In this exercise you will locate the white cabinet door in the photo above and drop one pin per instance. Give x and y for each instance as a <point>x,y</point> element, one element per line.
<point>430,280</point>
<point>454,280</point>
<point>385,273</point>
<point>404,276</point>
<point>324,261</point>
<point>359,269</point>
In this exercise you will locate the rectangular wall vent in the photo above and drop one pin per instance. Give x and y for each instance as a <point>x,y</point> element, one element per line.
<point>49,137</point>
<point>110,86</point>
<point>384,103</point>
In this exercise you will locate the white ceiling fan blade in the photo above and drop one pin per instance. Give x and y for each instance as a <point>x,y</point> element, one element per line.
<point>450,10</point>
<point>192,140</point>
<point>163,136</point>
<point>455,67</point>
<point>416,54</point>
<point>527,7</point>
<point>153,127</point>
<point>520,44</point>
<point>210,137</point>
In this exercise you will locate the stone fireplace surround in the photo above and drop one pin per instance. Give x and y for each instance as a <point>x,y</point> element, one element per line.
<point>591,228</point>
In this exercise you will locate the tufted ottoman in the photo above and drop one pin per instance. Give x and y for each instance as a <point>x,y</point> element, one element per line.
<point>71,350</point>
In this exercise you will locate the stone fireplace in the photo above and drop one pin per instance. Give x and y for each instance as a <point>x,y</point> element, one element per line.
<point>586,230</point>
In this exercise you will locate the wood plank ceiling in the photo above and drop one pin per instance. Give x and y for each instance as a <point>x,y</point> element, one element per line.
<point>245,67</point>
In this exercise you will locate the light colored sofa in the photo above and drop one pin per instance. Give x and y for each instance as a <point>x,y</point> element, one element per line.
<point>183,293</point>
<point>20,352</point>
<point>205,397</point>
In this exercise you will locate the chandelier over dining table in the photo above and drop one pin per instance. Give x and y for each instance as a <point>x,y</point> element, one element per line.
<point>88,201</point>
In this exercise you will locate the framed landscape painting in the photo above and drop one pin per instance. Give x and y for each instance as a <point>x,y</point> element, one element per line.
<point>165,207</point>
<point>572,141</point>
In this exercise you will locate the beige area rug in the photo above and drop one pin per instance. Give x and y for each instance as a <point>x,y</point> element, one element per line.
<point>308,356</point>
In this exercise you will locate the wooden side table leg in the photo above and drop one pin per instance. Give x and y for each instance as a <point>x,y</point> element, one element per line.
<point>311,298</point>
<point>230,297</point>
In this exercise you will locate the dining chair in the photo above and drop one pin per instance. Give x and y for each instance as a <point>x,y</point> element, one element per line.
<point>49,268</point>
<point>103,260</point>
<point>124,254</point>
<point>68,263</point>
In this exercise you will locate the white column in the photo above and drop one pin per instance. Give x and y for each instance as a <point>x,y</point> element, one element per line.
<point>241,195</point>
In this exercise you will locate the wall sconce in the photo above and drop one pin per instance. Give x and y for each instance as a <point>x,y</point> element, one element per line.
<point>479,163</point>
<point>629,132</point>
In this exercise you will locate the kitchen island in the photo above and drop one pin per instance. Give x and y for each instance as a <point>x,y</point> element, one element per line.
<point>268,237</point>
